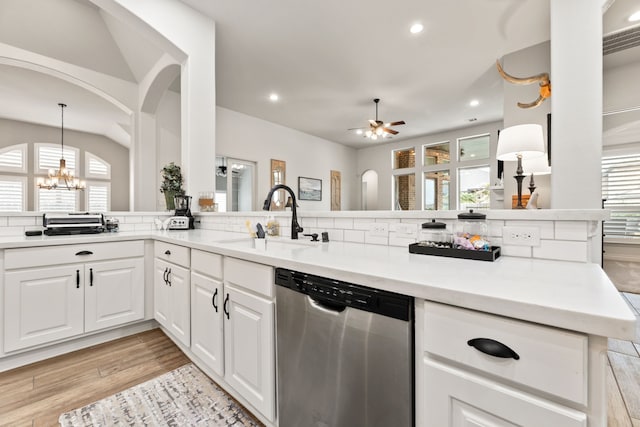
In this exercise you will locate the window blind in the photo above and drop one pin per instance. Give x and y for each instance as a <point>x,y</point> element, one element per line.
<point>97,167</point>
<point>12,159</point>
<point>12,191</point>
<point>49,157</point>
<point>97,197</point>
<point>59,200</point>
<point>621,191</point>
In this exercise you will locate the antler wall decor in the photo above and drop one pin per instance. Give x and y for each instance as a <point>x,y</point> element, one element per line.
<point>543,79</point>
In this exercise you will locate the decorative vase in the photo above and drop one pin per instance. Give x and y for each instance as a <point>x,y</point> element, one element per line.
<point>169,199</point>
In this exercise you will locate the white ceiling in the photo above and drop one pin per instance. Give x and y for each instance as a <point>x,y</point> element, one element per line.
<point>327,62</point>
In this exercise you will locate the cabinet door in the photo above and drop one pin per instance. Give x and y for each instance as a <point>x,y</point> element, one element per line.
<point>114,293</point>
<point>43,305</point>
<point>457,398</point>
<point>206,321</point>
<point>161,293</point>
<point>179,281</point>
<point>249,348</point>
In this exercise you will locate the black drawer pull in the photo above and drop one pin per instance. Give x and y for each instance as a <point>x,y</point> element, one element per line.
<point>91,277</point>
<point>169,277</point>
<point>164,275</point>
<point>167,252</point>
<point>493,348</point>
<point>84,253</point>
<point>214,298</point>
<point>78,279</point>
<point>224,308</point>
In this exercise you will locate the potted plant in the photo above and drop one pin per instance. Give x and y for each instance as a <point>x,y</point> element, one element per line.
<point>171,184</point>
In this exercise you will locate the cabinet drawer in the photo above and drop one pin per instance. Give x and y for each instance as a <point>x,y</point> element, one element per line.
<point>550,360</point>
<point>173,253</point>
<point>249,275</point>
<point>206,263</point>
<point>67,254</point>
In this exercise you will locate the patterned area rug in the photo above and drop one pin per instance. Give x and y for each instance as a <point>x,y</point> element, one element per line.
<point>183,397</point>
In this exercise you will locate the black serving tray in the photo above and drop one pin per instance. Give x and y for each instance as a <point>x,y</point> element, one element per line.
<point>492,255</point>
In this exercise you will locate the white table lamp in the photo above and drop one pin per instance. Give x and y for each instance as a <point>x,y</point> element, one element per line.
<point>517,143</point>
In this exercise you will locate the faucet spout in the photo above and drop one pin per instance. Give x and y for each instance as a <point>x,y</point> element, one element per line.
<point>295,227</point>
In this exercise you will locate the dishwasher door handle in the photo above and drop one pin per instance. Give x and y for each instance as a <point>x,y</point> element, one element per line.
<point>326,306</point>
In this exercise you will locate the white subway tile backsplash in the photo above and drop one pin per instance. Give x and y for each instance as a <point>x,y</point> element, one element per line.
<point>518,251</point>
<point>363,224</point>
<point>562,250</point>
<point>355,236</point>
<point>325,223</point>
<point>308,222</point>
<point>24,220</point>
<point>4,221</point>
<point>395,240</point>
<point>335,235</point>
<point>571,230</point>
<point>344,223</point>
<point>375,240</point>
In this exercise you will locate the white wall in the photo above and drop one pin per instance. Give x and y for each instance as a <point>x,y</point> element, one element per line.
<point>379,158</point>
<point>248,138</point>
<point>167,139</point>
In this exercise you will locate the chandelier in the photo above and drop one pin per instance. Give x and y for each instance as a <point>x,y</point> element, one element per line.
<point>62,177</point>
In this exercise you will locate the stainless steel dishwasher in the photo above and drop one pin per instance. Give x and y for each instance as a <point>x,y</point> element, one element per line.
<point>345,354</point>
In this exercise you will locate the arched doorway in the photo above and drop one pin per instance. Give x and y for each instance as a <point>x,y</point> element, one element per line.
<point>369,187</point>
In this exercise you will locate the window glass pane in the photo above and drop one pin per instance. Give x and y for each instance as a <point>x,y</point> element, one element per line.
<point>12,194</point>
<point>59,200</point>
<point>12,158</point>
<point>404,191</point>
<point>473,184</point>
<point>474,148</point>
<point>96,167</point>
<point>49,157</point>
<point>97,197</point>
<point>436,154</point>
<point>621,191</point>
<point>404,158</point>
<point>436,190</point>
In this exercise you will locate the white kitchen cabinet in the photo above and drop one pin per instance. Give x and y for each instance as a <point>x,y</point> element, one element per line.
<point>249,333</point>
<point>57,292</point>
<point>478,369</point>
<point>207,338</point>
<point>172,290</point>
<point>456,398</point>
<point>115,293</point>
<point>43,305</point>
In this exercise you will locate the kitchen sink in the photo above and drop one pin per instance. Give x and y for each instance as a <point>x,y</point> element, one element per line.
<point>269,244</point>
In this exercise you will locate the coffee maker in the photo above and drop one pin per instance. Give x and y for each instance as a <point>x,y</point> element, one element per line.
<point>183,210</point>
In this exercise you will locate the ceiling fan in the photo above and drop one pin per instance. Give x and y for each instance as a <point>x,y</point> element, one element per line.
<point>378,128</point>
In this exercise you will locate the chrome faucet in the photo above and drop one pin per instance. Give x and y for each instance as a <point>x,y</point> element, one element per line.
<point>295,227</point>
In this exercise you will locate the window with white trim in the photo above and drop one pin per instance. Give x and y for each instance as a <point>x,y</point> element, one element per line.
<point>47,156</point>
<point>95,167</point>
<point>621,191</point>
<point>14,159</point>
<point>57,200</point>
<point>98,196</point>
<point>13,193</point>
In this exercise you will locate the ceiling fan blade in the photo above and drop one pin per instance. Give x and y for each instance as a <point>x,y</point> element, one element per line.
<point>401,122</point>
<point>391,131</point>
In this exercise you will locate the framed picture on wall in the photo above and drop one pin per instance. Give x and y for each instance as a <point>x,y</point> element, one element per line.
<point>309,188</point>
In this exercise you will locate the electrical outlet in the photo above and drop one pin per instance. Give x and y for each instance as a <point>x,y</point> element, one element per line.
<point>405,230</point>
<point>521,236</point>
<point>380,229</point>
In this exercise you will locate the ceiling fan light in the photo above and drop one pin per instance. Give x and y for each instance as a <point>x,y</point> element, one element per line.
<point>379,131</point>
<point>368,133</point>
<point>359,132</point>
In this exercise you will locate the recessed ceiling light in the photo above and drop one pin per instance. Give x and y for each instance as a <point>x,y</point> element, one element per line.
<point>274,97</point>
<point>635,17</point>
<point>359,131</point>
<point>416,28</point>
<point>474,103</point>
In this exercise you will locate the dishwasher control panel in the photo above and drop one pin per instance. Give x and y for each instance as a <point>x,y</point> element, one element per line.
<point>339,293</point>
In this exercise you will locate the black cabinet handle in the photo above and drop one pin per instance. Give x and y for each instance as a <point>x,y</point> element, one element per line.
<point>91,277</point>
<point>167,252</point>
<point>213,300</point>
<point>164,275</point>
<point>226,310</point>
<point>78,279</point>
<point>84,253</point>
<point>493,348</point>
<point>169,277</point>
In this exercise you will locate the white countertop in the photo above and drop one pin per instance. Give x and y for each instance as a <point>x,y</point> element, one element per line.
<point>569,295</point>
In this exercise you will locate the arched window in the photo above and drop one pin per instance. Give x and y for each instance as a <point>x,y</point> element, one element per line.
<point>98,192</point>
<point>13,178</point>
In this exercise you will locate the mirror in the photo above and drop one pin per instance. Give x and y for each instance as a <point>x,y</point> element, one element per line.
<point>278,176</point>
<point>235,185</point>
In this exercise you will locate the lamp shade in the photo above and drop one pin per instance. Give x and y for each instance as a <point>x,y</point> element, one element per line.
<point>524,140</point>
<point>536,165</point>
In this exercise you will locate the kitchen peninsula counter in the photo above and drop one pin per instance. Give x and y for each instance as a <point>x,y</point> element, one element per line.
<point>570,295</point>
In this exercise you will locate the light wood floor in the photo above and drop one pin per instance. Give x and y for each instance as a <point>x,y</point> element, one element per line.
<point>36,395</point>
<point>623,375</point>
